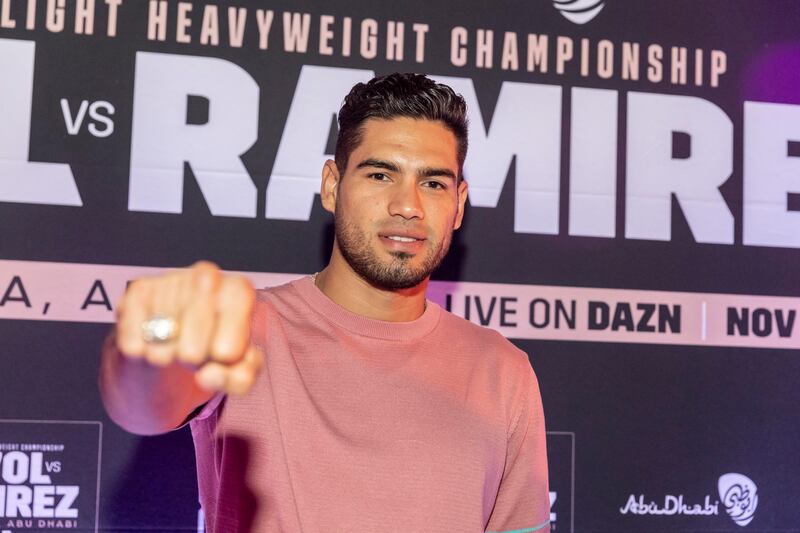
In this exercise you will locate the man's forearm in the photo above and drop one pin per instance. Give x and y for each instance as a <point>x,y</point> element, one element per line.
<point>143,398</point>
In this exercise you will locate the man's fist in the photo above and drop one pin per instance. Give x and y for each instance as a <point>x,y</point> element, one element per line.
<point>212,312</point>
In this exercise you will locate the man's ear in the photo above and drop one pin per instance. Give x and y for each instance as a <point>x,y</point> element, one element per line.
<point>330,185</point>
<point>463,190</point>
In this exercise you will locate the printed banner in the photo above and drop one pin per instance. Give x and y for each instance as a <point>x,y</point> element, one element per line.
<point>88,293</point>
<point>633,225</point>
<point>50,475</point>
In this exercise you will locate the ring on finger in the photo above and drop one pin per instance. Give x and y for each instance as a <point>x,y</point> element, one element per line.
<point>159,329</point>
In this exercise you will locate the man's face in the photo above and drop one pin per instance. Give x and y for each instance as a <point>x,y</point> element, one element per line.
<point>398,202</point>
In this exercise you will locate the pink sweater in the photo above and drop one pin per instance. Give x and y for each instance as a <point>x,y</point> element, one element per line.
<point>359,425</point>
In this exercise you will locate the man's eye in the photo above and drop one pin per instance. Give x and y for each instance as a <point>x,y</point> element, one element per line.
<point>438,185</point>
<point>379,176</point>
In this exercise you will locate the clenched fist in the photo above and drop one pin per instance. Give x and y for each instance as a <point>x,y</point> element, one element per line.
<point>211,311</point>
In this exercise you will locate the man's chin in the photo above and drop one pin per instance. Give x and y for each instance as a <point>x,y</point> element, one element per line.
<point>402,256</point>
<point>396,284</point>
<point>395,279</point>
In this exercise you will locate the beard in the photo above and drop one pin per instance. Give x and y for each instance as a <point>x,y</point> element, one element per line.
<point>392,274</point>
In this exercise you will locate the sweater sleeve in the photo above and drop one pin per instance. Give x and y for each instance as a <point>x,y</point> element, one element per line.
<point>523,504</point>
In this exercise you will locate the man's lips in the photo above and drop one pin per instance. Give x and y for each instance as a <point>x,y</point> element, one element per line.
<point>402,236</point>
<point>402,241</point>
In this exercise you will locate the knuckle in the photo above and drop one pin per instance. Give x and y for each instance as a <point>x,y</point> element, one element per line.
<point>205,275</point>
<point>204,265</point>
<point>225,352</point>
<point>242,283</point>
<point>238,286</point>
<point>191,353</point>
<point>229,349</point>
<point>211,377</point>
<point>135,291</point>
<point>134,286</point>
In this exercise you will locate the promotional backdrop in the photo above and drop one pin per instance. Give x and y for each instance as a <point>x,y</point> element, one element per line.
<point>633,225</point>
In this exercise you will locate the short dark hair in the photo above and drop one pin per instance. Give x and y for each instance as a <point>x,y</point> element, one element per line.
<point>400,95</point>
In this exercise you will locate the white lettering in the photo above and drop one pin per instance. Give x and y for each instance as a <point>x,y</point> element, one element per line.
<point>237,16</point>
<point>73,123</point>
<point>593,163</point>
<point>94,112</point>
<point>771,173</point>
<point>458,46</point>
<point>162,141</point>
<point>301,154</point>
<point>673,505</point>
<point>64,508</point>
<point>37,476</point>
<point>21,180</point>
<point>654,175</point>
<point>526,125</point>
<point>295,32</point>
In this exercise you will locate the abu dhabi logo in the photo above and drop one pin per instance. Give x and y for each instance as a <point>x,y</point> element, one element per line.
<point>579,11</point>
<point>737,492</point>
<point>739,496</point>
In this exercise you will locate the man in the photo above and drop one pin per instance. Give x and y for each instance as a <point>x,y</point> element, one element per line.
<point>345,401</point>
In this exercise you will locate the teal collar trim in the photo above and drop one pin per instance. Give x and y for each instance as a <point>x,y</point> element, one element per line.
<point>525,530</point>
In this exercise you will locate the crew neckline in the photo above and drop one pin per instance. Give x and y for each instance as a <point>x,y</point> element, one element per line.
<point>364,326</point>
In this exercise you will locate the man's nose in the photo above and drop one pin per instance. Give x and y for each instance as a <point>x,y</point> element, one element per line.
<point>405,200</point>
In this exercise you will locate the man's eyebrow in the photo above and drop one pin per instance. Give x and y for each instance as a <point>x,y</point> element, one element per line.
<point>429,172</point>
<point>378,163</point>
<point>424,172</point>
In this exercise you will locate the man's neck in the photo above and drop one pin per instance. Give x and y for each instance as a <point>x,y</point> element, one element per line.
<point>342,285</point>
